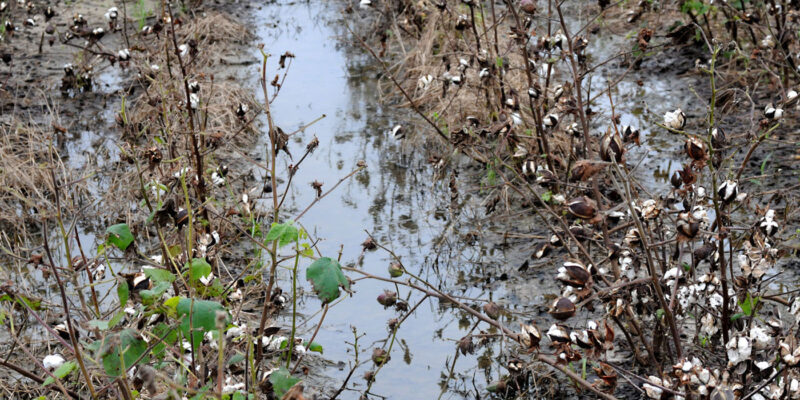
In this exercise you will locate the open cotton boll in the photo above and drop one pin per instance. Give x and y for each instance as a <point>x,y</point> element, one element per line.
<point>739,349</point>
<point>675,119</point>
<point>53,361</point>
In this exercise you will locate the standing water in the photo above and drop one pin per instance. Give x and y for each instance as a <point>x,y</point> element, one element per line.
<point>394,199</point>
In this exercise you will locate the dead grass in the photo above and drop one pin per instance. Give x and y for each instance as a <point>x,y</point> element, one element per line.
<point>435,48</point>
<point>28,163</point>
<point>158,118</point>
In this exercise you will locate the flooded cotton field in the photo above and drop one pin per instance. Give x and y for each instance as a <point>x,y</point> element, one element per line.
<point>399,199</point>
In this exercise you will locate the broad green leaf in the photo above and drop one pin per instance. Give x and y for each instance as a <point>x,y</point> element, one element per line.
<point>171,305</point>
<point>61,372</point>
<point>326,276</point>
<point>203,317</point>
<point>120,236</point>
<point>170,336</point>
<point>174,250</point>
<point>116,318</point>
<point>159,275</point>
<point>284,233</point>
<point>93,346</point>
<point>151,295</point>
<point>212,291</point>
<point>198,268</point>
<point>282,381</point>
<point>121,349</point>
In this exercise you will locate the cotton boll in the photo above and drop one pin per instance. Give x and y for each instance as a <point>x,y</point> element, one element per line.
<point>53,361</point>
<point>675,119</point>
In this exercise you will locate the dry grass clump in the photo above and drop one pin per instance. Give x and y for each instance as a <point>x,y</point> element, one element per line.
<point>215,36</point>
<point>469,76</point>
<point>158,126</point>
<point>209,38</point>
<point>28,165</point>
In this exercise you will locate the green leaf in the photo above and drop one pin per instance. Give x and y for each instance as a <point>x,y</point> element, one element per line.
<point>282,381</point>
<point>306,250</point>
<point>116,318</point>
<point>120,236</point>
<point>748,306</point>
<point>203,317</point>
<point>547,196</point>
<point>201,394</point>
<point>285,233</point>
<point>697,6</point>
<point>61,372</point>
<point>157,275</point>
<point>736,316</point>
<point>491,175</point>
<point>236,358</point>
<point>34,304</point>
<point>315,347</point>
<point>123,292</point>
<point>764,163</point>
<point>151,295</point>
<point>174,251</point>
<point>326,276</point>
<point>93,346</point>
<point>170,336</point>
<point>102,325</point>
<point>212,291</point>
<point>171,305</point>
<point>198,268</point>
<point>120,351</point>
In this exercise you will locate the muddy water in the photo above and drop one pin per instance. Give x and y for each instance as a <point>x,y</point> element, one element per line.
<point>394,199</point>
